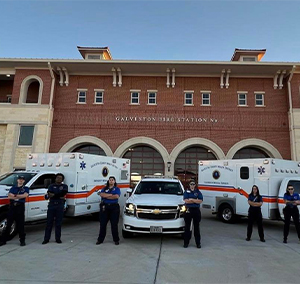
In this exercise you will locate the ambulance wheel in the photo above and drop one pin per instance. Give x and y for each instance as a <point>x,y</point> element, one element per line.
<point>3,223</point>
<point>95,216</point>
<point>226,213</point>
<point>126,234</point>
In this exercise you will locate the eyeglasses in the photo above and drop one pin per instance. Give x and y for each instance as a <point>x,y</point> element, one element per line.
<point>290,188</point>
<point>192,184</point>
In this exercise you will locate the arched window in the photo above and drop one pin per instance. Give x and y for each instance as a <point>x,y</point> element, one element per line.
<point>90,149</point>
<point>250,153</point>
<point>145,160</point>
<point>186,163</point>
<point>31,90</point>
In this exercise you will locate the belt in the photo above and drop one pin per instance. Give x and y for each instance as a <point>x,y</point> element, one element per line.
<point>17,203</point>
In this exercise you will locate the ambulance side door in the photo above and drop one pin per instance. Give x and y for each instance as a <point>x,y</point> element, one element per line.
<point>244,182</point>
<point>37,204</point>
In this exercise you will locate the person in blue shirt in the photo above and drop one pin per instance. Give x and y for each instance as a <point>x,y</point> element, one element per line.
<point>291,199</point>
<point>57,194</point>
<point>192,198</point>
<point>109,210</point>
<point>254,214</point>
<point>17,196</point>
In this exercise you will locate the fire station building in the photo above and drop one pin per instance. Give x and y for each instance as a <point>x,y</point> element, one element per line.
<point>163,115</point>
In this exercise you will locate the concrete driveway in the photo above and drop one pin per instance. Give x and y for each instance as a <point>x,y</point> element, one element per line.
<point>225,256</point>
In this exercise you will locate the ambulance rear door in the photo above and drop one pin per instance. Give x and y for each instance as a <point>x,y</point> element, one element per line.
<point>244,182</point>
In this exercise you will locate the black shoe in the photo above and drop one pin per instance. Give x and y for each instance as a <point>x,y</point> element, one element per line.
<point>99,242</point>
<point>285,241</point>
<point>198,246</point>
<point>2,243</point>
<point>248,239</point>
<point>45,242</point>
<point>117,243</point>
<point>22,243</point>
<point>59,241</point>
<point>185,245</point>
<point>263,240</point>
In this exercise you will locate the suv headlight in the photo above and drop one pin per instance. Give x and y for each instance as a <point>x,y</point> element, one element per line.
<point>182,209</point>
<point>130,209</point>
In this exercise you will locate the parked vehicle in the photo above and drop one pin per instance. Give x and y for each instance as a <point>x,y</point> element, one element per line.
<point>84,174</point>
<point>155,206</point>
<point>226,184</point>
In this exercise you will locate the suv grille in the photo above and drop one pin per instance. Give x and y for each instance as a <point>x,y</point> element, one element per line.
<point>157,213</point>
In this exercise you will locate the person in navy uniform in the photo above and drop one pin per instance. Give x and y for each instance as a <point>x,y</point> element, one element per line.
<point>192,198</point>
<point>109,210</point>
<point>57,195</point>
<point>254,213</point>
<point>17,196</point>
<point>291,199</point>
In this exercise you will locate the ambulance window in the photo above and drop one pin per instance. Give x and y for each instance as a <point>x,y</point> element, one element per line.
<point>124,175</point>
<point>43,181</point>
<point>296,185</point>
<point>244,173</point>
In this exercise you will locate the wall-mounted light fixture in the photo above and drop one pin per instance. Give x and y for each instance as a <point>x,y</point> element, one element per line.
<point>169,166</point>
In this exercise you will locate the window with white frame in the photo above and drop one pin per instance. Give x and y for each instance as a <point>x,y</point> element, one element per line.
<point>242,99</point>
<point>188,98</point>
<point>152,97</point>
<point>259,99</point>
<point>99,96</point>
<point>26,135</point>
<point>81,96</point>
<point>205,98</point>
<point>135,98</point>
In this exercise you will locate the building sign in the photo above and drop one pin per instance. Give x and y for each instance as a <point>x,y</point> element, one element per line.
<point>168,119</point>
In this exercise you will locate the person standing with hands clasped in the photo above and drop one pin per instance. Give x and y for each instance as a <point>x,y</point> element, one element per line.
<point>192,198</point>
<point>291,199</point>
<point>17,196</point>
<point>109,210</point>
<point>254,214</point>
<point>57,195</point>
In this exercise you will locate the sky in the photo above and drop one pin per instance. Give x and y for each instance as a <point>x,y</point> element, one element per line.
<point>150,30</point>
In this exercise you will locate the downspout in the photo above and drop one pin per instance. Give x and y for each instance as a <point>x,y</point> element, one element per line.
<point>50,112</point>
<point>292,134</point>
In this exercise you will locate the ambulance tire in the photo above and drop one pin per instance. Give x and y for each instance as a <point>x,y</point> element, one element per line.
<point>3,220</point>
<point>126,234</point>
<point>95,216</point>
<point>226,213</point>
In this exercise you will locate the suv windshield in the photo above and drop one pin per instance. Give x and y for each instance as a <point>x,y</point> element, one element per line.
<point>11,179</point>
<point>159,187</point>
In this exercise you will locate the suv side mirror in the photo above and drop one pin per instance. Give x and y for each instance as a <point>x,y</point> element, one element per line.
<point>129,192</point>
<point>47,182</point>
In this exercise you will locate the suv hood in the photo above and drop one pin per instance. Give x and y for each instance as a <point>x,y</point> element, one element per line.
<point>156,199</point>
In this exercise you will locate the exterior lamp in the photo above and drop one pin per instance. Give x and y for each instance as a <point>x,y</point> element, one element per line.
<point>169,165</point>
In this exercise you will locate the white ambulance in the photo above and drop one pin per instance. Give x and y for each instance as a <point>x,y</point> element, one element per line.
<point>226,185</point>
<point>84,174</point>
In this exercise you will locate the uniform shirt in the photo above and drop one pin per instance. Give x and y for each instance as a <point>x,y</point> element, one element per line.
<point>256,199</point>
<point>196,194</point>
<point>289,197</point>
<point>114,190</point>
<point>59,190</point>
<point>19,190</point>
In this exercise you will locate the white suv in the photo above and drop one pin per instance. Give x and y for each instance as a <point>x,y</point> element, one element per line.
<point>155,206</point>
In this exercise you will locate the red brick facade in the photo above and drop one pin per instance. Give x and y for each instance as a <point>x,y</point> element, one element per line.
<point>234,123</point>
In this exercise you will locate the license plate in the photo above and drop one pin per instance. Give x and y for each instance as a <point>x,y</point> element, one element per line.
<point>156,229</point>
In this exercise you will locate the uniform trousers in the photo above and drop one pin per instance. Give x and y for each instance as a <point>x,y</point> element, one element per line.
<point>15,213</point>
<point>289,212</point>
<point>109,212</point>
<point>254,215</point>
<point>192,214</point>
<point>55,213</point>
